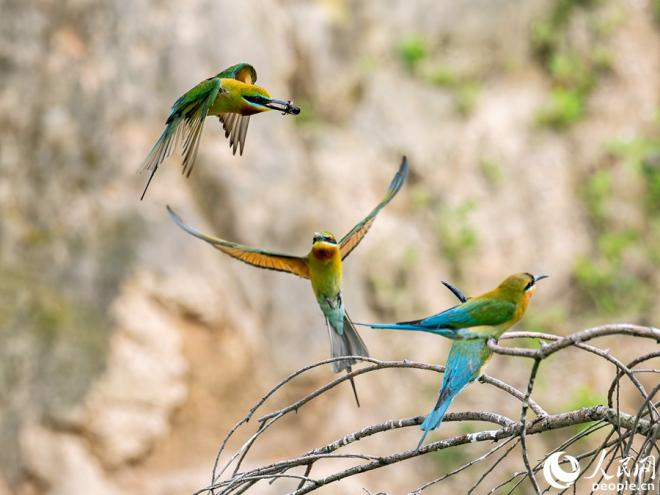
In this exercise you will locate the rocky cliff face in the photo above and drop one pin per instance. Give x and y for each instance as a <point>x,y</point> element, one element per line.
<point>128,348</point>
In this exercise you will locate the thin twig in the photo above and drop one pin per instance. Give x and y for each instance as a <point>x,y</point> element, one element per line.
<point>463,467</point>
<point>523,422</point>
<point>644,422</point>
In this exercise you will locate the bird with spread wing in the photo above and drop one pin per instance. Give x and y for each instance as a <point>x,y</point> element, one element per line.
<point>323,267</point>
<point>232,96</point>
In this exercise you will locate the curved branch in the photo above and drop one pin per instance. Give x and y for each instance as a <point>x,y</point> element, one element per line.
<point>552,422</point>
<point>644,422</point>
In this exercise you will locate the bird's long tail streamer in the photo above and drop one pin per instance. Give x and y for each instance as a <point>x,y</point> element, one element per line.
<point>434,418</point>
<point>355,394</point>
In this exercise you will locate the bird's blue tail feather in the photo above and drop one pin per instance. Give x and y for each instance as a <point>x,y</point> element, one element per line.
<point>434,418</point>
<point>445,332</point>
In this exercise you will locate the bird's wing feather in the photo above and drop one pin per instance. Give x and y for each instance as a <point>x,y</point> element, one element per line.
<point>353,238</point>
<point>186,121</point>
<point>241,72</point>
<point>474,312</point>
<point>252,256</point>
<point>194,106</point>
<point>235,127</point>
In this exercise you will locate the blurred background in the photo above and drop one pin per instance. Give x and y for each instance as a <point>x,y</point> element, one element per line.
<point>129,348</point>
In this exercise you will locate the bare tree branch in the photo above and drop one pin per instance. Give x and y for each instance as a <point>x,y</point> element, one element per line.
<point>643,424</point>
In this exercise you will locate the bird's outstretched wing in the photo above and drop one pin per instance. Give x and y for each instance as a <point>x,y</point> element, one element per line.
<point>186,122</point>
<point>256,257</point>
<point>195,106</point>
<point>236,125</point>
<point>353,238</point>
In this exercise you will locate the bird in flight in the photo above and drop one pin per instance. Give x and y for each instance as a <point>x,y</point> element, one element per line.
<point>323,267</point>
<point>232,96</point>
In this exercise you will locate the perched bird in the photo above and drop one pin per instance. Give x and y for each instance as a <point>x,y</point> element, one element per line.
<point>230,95</point>
<point>323,267</point>
<point>470,324</point>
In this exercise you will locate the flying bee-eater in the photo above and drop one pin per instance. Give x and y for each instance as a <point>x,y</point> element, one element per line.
<point>470,324</point>
<point>323,267</point>
<point>230,95</point>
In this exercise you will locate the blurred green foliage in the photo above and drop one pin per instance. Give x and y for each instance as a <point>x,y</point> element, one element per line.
<point>583,396</point>
<point>449,459</point>
<point>465,89</point>
<point>573,68</point>
<point>466,96</point>
<point>444,76</point>
<point>457,238</point>
<point>390,290</point>
<point>492,172</point>
<point>566,106</point>
<point>412,50</point>
<point>643,155</point>
<point>547,32</point>
<point>595,192</point>
<point>616,276</point>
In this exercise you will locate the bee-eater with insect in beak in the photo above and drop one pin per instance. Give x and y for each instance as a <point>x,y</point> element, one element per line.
<point>323,267</point>
<point>470,324</point>
<point>230,95</point>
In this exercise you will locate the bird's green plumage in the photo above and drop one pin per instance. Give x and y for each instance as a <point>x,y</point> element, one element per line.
<point>232,96</point>
<point>235,71</point>
<point>487,315</point>
<point>191,99</point>
<point>470,324</point>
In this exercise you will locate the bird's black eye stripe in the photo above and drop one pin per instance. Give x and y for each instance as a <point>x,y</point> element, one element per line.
<point>258,99</point>
<point>324,238</point>
<point>529,284</point>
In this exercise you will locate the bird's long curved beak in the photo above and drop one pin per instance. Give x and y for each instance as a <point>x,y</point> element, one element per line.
<point>540,277</point>
<point>286,107</point>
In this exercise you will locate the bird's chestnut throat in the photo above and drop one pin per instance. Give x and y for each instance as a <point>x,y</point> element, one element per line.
<point>324,252</point>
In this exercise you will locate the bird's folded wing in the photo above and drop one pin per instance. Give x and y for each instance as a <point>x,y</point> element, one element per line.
<point>474,312</point>
<point>235,127</point>
<point>241,72</point>
<point>256,257</point>
<point>353,238</point>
